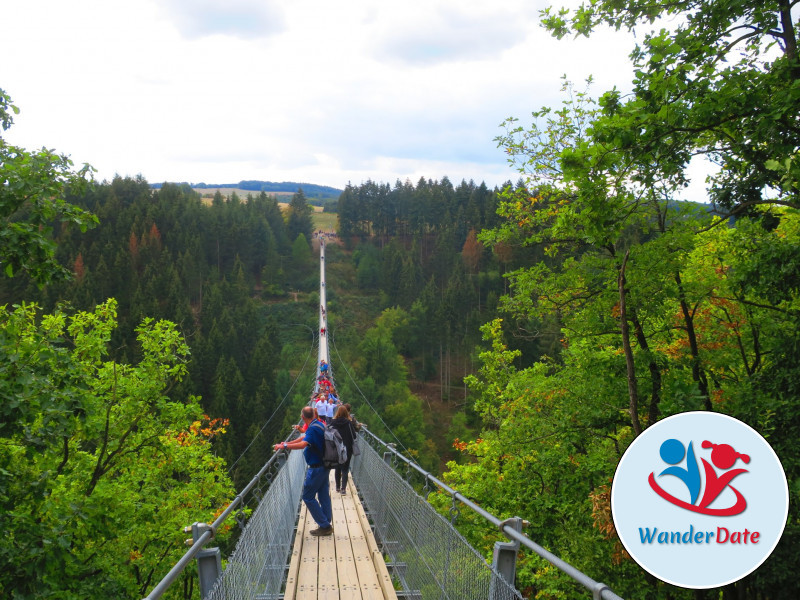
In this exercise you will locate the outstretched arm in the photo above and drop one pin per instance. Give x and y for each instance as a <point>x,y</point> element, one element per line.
<point>297,444</point>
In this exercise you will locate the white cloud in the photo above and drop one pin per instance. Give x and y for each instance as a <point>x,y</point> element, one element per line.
<point>310,90</point>
<point>448,32</point>
<point>249,19</point>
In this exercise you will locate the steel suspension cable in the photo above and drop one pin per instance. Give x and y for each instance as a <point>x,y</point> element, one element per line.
<point>350,376</point>
<point>274,412</point>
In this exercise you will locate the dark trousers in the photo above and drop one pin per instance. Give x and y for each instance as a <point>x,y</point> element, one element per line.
<point>340,474</point>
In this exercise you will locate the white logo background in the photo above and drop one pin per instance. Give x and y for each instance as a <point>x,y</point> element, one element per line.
<point>635,506</point>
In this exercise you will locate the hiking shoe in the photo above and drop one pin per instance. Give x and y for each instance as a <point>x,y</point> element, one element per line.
<point>344,492</point>
<point>322,531</point>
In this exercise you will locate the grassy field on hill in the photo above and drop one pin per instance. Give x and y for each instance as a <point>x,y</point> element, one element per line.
<point>324,221</point>
<point>208,193</point>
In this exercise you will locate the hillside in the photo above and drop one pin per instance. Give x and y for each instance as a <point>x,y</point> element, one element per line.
<point>284,188</point>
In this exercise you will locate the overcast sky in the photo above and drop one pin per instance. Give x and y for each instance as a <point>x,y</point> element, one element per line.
<point>314,91</point>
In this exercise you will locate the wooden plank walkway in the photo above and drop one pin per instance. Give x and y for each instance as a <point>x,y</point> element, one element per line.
<point>344,566</point>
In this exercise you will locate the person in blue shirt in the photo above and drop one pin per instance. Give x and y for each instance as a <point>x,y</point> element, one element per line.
<point>316,487</point>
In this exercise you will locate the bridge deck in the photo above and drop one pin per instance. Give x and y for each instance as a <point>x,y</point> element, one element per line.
<point>344,566</point>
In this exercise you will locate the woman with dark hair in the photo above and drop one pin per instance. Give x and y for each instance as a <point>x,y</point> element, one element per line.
<point>341,422</point>
<point>352,418</point>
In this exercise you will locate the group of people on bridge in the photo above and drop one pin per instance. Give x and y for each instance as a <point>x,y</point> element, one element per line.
<point>326,404</point>
<point>325,410</point>
<point>322,235</point>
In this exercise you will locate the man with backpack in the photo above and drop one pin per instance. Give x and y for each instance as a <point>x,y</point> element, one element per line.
<point>316,487</point>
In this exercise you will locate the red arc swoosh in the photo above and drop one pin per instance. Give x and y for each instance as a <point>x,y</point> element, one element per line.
<point>737,508</point>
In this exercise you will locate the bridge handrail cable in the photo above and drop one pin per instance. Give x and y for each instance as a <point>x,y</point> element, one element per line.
<point>282,402</point>
<point>599,590</point>
<point>211,531</point>
<point>374,410</point>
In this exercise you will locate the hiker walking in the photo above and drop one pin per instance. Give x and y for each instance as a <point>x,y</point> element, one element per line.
<point>345,428</point>
<point>316,487</point>
<point>322,408</point>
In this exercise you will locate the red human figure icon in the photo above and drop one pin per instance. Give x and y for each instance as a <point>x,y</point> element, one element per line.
<point>724,457</point>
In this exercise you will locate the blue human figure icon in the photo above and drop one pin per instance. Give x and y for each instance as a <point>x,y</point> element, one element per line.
<point>672,452</point>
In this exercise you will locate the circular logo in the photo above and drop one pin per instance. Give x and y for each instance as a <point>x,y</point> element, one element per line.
<point>699,500</point>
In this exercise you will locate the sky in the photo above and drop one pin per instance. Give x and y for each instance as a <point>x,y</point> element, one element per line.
<point>323,92</point>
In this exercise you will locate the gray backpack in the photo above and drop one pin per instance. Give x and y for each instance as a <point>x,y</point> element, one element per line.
<point>334,450</point>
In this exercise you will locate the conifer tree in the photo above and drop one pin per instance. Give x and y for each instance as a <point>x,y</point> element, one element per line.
<point>298,218</point>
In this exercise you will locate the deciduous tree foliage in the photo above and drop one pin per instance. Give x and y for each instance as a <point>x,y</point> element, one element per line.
<point>553,433</point>
<point>99,469</point>
<point>105,453</point>
<point>385,377</point>
<point>32,188</point>
<point>719,79</point>
<point>166,254</point>
<point>659,307</point>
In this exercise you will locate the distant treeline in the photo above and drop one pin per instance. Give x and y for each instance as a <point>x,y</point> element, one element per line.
<point>432,206</point>
<point>311,190</point>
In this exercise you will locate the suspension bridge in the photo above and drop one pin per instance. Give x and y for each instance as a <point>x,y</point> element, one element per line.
<point>388,543</point>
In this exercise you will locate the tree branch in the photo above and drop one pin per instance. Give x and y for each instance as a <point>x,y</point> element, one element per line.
<point>788,35</point>
<point>793,313</point>
<point>728,47</point>
<point>60,467</point>
<point>633,392</point>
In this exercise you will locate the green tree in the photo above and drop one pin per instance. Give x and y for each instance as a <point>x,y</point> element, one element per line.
<point>99,468</point>
<point>301,255</point>
<point>33,186</point>
<point>367,260</point>
<point>379,357</point>
<point>720,82</point>
<point>298,217</point>
<point>651,301</point>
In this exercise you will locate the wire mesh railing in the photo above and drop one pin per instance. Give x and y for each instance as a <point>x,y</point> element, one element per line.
<point>256,568</point>
<point>432,559</point>
<point>429,558</point>
<point>270,486</point>
<point>427,545</point>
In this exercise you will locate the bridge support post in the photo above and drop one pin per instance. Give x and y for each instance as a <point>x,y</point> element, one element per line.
<point>504,558</point>
<point>209,562</point>
<point>379,516</point>
<point>388,457</point>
